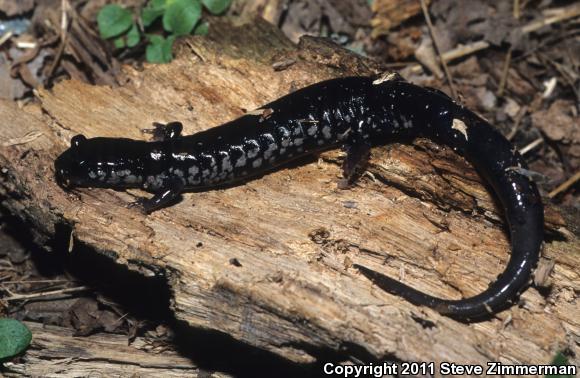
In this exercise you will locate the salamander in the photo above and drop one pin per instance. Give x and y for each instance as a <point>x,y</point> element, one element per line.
<point>353,112</point>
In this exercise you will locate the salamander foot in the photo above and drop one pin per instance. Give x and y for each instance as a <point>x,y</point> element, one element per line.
<point>164,131</point>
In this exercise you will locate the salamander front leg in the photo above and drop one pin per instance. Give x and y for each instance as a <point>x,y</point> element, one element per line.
<point>167,195</point>
<point>164,131</point>
<point>358,152</point>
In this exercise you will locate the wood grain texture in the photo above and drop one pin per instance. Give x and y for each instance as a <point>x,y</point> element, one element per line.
<point>421,215</point>
<point>55,352</point>
<point>389,14</point>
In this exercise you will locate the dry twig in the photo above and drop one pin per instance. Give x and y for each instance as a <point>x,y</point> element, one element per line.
<point>531,146</point>
<point>436,45</point>
<point>70,290</point>
<point>521,113</point>
<point>35,281</point>
<point>63,37</point>
<point>505,72</point>
<point>560,14</point>
<point>516,9</point>
<point>5,37</point>
<point>565,185</point>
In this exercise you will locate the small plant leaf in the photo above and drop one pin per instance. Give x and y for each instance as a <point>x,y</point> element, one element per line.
<point>133,36</point>
<point>159,49</point>
<point>216,6</point>
<point>202,28</point>
<point>113,21</point>
<point>14,338</point>
<point>119,42</point>
<point>181,16</point>
<point>152,11</point>
<point>559,360</point>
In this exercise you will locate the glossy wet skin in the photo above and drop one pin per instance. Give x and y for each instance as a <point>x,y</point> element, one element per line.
<point>355,112</point>
<point>102,162</point>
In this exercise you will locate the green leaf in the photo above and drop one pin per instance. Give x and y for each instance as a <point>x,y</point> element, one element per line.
<point>14,338</point>
<point>559,360</point>
<point>133,36</point>
<point>119,42</point>
<point>113,21</point>
<point>181,16</point>
<point>202,28</point>
<point>152,11</point>
<point>216,6</point>
<point>159,49</point>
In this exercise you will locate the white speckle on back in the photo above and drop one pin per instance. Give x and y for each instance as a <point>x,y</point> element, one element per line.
<point>193,170</point>
<point>385,77</point>
<point>326,132</point>
<point>181,156</point>
<point>407,123</point>
<point>312,130</point>
<point>193,177</point>
<point>284,136</point>
<point>256,163</point>
<point>460,126</point>
<point>156,182</point>
<point>132,179</point>
<point>241,161</point>
<point>210,158</point>
<point>253,148</point>
<point>227,164</point>
<point>272,147</point>
<point>156,155</point>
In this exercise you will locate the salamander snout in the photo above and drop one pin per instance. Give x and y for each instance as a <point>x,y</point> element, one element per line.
<point>61,176</point>
<point>68,163</point>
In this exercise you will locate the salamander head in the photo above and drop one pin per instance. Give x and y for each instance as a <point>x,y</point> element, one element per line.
<point>98,162</point>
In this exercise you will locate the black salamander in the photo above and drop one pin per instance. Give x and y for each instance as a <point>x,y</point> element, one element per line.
<point>354,112</point>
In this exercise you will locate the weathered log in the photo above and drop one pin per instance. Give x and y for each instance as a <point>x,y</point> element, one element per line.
<point>425,218</point>
<point>56,352</point>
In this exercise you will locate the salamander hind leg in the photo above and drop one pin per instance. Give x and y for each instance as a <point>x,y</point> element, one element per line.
<point>358,152</point>
<point>169,192</point>
<point>164,131</point>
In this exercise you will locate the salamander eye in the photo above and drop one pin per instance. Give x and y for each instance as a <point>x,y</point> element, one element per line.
<point>77,140</point>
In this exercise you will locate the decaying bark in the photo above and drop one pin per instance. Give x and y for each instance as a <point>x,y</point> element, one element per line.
<point>389,14</point>
<point>56,352</point>
<point>422,216</point>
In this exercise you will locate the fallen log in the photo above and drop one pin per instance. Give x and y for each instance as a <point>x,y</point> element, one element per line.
<point>269,262</point>
<point>56,352</point>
